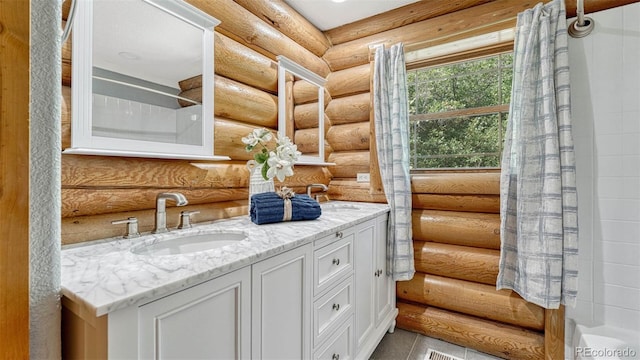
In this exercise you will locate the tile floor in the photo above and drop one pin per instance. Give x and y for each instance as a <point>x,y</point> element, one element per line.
<point>405,345</point>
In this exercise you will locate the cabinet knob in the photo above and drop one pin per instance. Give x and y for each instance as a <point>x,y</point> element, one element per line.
<point>336,307</point>
<point>339,234</point>
<point>335,357</point>
<point>336,261</point>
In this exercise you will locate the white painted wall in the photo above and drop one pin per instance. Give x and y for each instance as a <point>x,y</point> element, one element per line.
<point>605,85</point>
<point>44,182</point>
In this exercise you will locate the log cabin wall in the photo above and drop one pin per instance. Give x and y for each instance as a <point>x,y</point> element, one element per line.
<point>453,296</point>
<point>97,189</point>
<point>455,218</point>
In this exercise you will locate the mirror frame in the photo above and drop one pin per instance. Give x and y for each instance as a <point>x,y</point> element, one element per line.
<point>285,66</point>
<point>82,139</point>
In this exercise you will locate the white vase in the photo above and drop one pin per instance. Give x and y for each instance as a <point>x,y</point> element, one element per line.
<point>257,184</point>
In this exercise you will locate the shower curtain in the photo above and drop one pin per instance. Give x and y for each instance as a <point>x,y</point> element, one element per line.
<point>391,114</point>
<point>538,209</point>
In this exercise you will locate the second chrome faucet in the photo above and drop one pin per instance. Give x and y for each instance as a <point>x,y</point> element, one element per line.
<point>161,213</point>
<point>321,186</point>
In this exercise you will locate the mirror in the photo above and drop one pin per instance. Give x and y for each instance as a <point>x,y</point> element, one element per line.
<point>142,80</point>
<point>301,110</point>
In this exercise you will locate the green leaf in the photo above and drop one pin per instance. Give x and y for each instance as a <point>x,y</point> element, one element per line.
<point>265,167</point>
<point>261,158</point>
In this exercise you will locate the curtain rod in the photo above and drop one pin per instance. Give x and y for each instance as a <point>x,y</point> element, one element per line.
<point>582,26</point>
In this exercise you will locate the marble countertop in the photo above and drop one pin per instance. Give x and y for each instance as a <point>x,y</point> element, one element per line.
<point>104,276</point>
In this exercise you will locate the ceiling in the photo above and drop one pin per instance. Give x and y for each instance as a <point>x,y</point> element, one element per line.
<point>329,14</point>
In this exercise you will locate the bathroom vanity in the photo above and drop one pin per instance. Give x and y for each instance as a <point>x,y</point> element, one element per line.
<point>296,290</point>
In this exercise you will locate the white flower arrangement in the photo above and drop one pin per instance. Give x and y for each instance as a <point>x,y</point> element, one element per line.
<point>277,162</point>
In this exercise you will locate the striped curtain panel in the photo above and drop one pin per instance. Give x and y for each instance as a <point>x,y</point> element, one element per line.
<point>539,221</point>
<point>391,113</point>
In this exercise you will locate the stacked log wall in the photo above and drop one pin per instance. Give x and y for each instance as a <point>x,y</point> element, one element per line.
<point>453,296</point>
<point>417,26</point>
<point>455,236</point>
<point>450,226</point>
<point>98,189</point>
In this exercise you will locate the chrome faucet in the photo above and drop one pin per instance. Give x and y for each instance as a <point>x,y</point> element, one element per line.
<point>311,186</point>
<point>161,214</point>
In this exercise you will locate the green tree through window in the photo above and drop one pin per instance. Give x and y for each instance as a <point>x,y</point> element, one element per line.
<point>458,113</point>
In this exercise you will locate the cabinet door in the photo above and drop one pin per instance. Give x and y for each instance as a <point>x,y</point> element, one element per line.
<point>364,272</point>
<point>384,285</point>
<point>281,306</point>
<point>211,320</point>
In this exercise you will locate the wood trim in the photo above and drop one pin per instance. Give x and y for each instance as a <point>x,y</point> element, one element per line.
<point>375,177</point>
<point>462,55</point>
<point>14,178</point>
<point>85,336</point>
<point>460,113</point>
<point>554,333</point>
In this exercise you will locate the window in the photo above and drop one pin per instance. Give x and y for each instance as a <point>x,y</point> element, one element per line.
<point>458,113</point>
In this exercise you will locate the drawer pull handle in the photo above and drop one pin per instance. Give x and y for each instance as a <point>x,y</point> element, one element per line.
<point>336,307</point>
<point>339,234</point>
<point>335,357</point>
<point>336,261</point>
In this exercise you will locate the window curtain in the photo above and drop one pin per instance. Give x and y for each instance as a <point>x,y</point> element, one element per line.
<point>538,206</point>
<point>391,114</point>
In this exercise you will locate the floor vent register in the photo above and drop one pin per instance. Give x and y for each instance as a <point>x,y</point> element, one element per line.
<point>437,355</point>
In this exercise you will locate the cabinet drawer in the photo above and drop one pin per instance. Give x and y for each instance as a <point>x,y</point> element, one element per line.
<point>331,310</point>
<point>340,346</point>
<point>332,263</point>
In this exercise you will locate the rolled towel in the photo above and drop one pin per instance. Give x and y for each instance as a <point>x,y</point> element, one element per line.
<point>269,208</point>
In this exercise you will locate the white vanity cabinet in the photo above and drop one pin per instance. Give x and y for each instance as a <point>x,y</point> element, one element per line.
<point>375,310</point>
<point>329,299</point>
<point>211,320</point>
<point>334,297</point>
<point>281,317</point>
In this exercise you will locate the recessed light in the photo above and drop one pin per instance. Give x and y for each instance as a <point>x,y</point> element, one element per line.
<point>338,1</point>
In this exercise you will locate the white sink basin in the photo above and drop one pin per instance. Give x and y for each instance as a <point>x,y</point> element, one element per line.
<point>329,207</point>
<point>185,244</point>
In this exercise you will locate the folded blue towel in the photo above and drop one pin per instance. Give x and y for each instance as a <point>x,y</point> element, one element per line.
<point>269,208</point>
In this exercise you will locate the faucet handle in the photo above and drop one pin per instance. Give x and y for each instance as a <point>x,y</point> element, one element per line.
<point>310,186</point>
<point>132,227</point>
<point>185,219</point>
